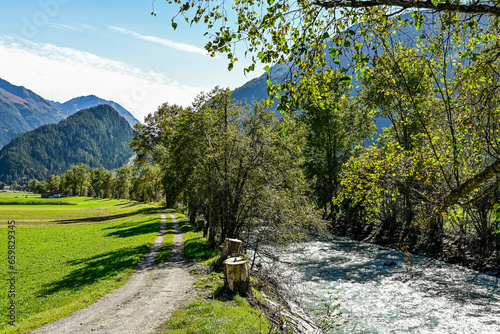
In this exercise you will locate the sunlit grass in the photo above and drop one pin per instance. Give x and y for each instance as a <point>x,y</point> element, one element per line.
<point>72,259</point>
<point>216,317</point>
<point>195,245</point>
<point>84,211</point>
<point>168,239</point>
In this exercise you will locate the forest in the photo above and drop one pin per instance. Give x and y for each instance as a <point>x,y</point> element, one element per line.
<point>275,180</point>
<point>97,137</point>
<point>428,183</point>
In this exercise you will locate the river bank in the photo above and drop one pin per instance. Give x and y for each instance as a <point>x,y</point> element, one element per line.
<point>450,249</point>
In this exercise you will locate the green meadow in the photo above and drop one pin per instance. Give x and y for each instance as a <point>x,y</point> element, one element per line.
<point>69,253</point>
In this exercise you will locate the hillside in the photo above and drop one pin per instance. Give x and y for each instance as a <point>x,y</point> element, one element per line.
<point>84,102</point>
<point>255,90</point>
<point>22,110</point>
<point>97,137</point>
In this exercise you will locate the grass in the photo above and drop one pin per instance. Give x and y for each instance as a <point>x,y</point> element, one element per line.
<point>84,211</point>
<point>168,239</point>
<point>31,199</point>
<point>195,245</point>
<point>214,316</point>
<point>68,256</point>
<point>226,314</point>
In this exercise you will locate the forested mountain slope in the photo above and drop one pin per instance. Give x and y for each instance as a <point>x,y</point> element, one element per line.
<point>97,137</point>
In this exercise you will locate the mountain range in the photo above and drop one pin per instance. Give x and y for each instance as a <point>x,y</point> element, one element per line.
<point>84,102</point>
<point>23,110</point>
<point>98,137</point>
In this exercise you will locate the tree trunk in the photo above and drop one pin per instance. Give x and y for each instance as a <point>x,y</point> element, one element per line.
<point>193,212</point>
<point>237,278</point>
<point>200,225</point>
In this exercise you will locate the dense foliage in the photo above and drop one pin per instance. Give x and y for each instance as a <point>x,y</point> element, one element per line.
<point>234,165</point>
<point>97,137</point>
<point>431,67</point>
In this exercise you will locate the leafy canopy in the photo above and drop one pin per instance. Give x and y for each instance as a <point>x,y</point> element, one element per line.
<point>311,34</point>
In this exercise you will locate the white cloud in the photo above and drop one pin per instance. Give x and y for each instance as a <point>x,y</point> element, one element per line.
<point>86,26</point>
<point>59,73</point>
<point>162,41</point>
<point>61,26</point>
<point>80,27</point>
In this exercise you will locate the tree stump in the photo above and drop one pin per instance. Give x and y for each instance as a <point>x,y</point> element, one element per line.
<point>237,278</point>
<point>231,246</point>
<point>200,224</point>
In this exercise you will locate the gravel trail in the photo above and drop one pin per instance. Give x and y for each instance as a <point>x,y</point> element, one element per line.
<point>142,304</point>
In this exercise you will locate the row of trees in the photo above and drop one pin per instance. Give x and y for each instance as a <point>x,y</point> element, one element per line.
<point>239,167</point>
<point>127,182</point>
<point>425,181</point>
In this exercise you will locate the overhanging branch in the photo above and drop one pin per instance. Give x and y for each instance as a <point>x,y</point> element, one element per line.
<point>468,8</point>
<point>467,187</point>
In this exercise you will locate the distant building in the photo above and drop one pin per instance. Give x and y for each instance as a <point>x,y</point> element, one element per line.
<point>51,195</point>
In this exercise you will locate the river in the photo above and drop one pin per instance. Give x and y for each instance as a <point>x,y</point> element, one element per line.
<point>427,296</point>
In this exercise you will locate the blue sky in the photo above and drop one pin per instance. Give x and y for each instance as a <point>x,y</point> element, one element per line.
<point>114,49</point>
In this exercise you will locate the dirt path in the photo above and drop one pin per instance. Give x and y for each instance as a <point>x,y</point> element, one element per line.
<point>143,303</point>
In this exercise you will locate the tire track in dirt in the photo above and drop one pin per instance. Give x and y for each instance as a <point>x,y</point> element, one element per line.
<point>142,304</point>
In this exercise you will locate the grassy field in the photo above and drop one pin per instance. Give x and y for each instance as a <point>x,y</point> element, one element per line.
<point>69,252</point>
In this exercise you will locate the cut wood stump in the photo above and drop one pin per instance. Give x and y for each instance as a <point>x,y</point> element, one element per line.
<point>231,246</point>
<point>237,277</point>
<point>200,224</point>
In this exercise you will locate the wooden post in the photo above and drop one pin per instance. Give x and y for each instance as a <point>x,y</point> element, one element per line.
<point>237,278</point>
<point>200,224</point>
<point>231,246</point>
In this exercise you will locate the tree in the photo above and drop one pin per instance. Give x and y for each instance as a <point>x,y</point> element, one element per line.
<point>335,125</point>
<point>153,142</point>
<point>97,181</point>
<point>147,185</point>
<point>75,179</point>
<point>123,182</point>
<point>350,35</point>
<point>35,186</point>
<point>53,183</point>
<point>439,155</point>
<point>238,167</point>
<point>307,35</point>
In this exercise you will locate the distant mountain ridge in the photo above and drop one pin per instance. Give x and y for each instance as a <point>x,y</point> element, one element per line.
<point>84,102</point>
<point>98,136</point>
<point>23,110</point>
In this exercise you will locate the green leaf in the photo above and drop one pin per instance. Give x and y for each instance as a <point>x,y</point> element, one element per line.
<point>418,21</point>
<point>496,206</point>
<point>174,25</point>
<point>345,79</point>
<point>266,68</point>
<point>336,61</point>
<point>230,66</point>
